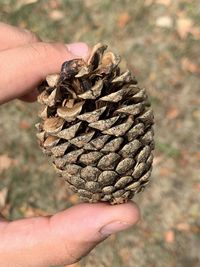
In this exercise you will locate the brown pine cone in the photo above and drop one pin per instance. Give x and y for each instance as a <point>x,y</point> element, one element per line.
<point>97,128</point>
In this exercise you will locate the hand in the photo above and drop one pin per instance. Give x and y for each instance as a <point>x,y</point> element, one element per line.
<point>68,235</point>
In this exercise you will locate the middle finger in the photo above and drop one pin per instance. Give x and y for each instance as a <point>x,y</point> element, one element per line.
<point>11,37</point>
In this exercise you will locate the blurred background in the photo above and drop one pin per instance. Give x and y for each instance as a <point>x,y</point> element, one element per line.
<point>159,41</point>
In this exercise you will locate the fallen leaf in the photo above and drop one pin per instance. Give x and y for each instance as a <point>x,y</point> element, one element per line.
<point>27,2</point>
<point>3,197</point>
<point>195,101</point>
<point>5,211</point>
<point>188,65</point>
<point>152,76</point>
<point>22,24</point>
<point>157,160</point>
<point>184,156</point>
<point>195,31</point>
<point>196,114</point>
<point>178,124</point>
<point>125,254</point>
<point>184,27</point>
<point>24,125</point>
<point>165,171</point>
<point>73,265</point>
<point>172,113</point>
<point>5,162</point>
<point>197,156</point>
<point>54,3</point>
<point>196,186</point>
<point>56,15</point>
<point>164,2</point>
<point>183,227</point>
<point>177,80</point>
<point>21,3</point>
<point>164,22</point>
<point>123,20</point>
<point>29,211</point>
<point>112,238</point>
<point>169,236</point>
<point>148,2</point>
<point>74,199</point>
<point>195,229</point>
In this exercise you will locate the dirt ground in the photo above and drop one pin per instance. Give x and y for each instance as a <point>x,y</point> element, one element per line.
<point>159,40</point>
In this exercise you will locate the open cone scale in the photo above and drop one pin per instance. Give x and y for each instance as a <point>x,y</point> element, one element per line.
<point>96,125</point>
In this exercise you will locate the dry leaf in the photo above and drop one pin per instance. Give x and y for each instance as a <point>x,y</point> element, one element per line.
<point>169,236</point>
<point>196,114</point>
<point>3,197</point>
<point>123,20</point>
<point>197,187</point>
<point>195,229</point>
<point>74,199</point>
<point>157,160</point>
<point>27,2</point>
<point>188,65</point>
<point>125,254</point>
<point>197,156</point>
<point>56,15</point>
<point>148,2</point>
<point>73,265</point>
<point>184,26</point>
<point>165,171</point>
<point>184,156</point>
<point>164,22</point>
<point>152,76</point>
<point>24,125</point>
<point>54,3</point>
<point>5,211</point>
<point>89,3</point>
<point>195,31</point>
<point>112,238</point>
<point>164,2</point>
<point>5,162</point>
<point>172,113</point>
<point>29,211</point>
<point>183,227</point>
<point>21,3</point>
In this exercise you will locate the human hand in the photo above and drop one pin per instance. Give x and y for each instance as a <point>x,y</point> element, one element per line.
<point>68,235</point>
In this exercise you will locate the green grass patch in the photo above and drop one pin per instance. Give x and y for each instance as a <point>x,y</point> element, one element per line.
<point>168,149</point>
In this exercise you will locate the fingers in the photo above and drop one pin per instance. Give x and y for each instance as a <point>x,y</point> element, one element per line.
<point>65,237</point>
<point>2,218</point>
<point>11,37</point>
<point>30,97</point>
<point>23,68</point>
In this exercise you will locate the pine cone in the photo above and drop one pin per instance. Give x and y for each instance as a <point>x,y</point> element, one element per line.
<point>97,128</point>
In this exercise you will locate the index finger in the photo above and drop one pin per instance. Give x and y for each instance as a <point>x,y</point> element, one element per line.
<point>23,68</point>
<point>11,36</point>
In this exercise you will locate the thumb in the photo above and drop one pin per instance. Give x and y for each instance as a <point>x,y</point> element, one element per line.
<point>65,237</point>
<point>22,68</point>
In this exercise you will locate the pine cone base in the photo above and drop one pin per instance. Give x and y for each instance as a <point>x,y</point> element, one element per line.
<point>96,126</point>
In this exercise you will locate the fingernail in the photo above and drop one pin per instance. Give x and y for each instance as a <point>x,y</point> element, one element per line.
<point>79,49</point>
<point>114,227</point>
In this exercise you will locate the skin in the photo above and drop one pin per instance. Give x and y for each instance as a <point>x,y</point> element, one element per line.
<point>67,236</point>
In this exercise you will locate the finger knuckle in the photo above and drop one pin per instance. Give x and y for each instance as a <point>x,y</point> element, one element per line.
<point>56,47</point>
<point>31,37</point>
<point>49,50</point>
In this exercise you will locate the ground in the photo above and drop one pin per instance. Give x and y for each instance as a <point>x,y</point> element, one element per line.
<point>159,42</point>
